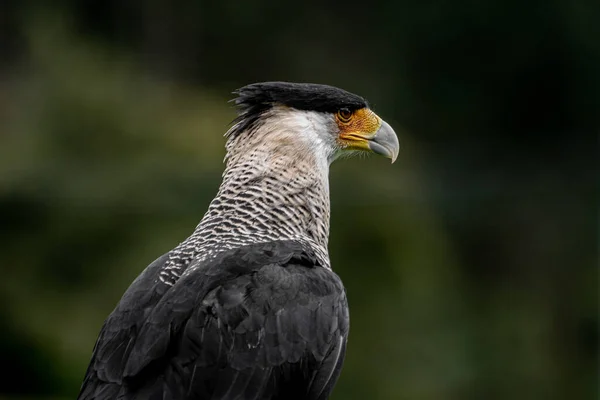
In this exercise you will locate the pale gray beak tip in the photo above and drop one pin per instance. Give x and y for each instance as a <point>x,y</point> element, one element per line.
<point>385,142</point>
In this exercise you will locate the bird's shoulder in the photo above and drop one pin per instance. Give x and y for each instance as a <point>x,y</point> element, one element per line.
<point>262,293</point>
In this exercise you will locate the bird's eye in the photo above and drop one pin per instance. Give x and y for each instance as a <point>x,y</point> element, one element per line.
<point>344,115</point>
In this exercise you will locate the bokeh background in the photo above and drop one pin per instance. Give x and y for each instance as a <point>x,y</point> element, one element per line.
<point>471,264</point>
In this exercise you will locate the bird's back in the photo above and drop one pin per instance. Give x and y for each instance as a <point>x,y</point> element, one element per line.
<point>264,321</point>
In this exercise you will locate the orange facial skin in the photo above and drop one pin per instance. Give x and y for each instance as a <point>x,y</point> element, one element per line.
<point>356,128</point>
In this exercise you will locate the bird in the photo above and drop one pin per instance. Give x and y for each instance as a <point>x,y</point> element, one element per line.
<point>248,306</point>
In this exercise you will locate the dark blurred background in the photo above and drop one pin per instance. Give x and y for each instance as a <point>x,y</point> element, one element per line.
<point>471,264</point>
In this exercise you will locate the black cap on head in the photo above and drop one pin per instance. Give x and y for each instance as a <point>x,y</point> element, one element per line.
<point>303,96</point>
<point>254,99</point>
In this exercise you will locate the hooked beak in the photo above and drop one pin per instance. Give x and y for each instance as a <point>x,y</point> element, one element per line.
<point>366,131</point>
<point>385,142</point>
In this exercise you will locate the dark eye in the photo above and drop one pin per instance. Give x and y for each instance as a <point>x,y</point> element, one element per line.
<point>344,115</point>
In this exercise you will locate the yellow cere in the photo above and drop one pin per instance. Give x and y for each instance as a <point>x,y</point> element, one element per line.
<point>358,128</point>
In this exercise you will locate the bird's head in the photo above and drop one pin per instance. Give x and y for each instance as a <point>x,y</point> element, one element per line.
<point>308,120</point>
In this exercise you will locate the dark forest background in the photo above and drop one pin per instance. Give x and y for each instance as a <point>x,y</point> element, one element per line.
<point>471,264</point>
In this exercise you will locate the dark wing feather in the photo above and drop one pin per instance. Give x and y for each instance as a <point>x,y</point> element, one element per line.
<point>104,373</point>
<point>259,322</point>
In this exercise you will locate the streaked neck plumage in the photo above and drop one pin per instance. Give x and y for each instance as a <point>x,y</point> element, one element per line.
<point>275,187</point>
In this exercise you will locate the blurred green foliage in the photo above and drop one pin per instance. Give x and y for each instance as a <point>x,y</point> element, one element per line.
<point>470,265</point>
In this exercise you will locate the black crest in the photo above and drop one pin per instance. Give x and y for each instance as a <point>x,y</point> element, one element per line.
<point>253,100</point>
<point>303,96</point>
